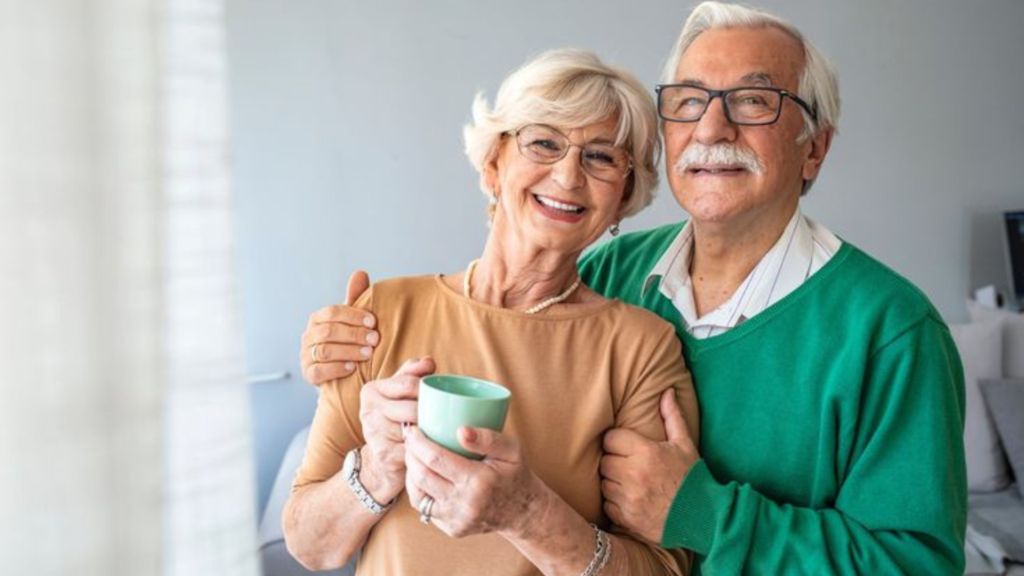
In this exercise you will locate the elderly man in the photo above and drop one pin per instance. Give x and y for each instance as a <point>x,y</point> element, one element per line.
<point>831,393</point>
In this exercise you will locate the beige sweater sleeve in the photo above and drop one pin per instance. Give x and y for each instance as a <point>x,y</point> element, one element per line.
<point>640,412</point>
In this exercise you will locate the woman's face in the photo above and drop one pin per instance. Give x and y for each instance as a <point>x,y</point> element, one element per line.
<point>556,206</point>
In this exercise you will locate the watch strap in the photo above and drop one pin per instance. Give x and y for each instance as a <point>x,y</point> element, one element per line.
<point>359,490</point>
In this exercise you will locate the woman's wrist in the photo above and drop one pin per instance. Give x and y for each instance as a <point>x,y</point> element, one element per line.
<point>530,524</point>
<point>553,535</point>
<point>381,485</point>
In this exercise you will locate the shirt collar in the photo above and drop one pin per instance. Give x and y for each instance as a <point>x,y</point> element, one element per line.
<point>783,268</point>
<point>674,261</point>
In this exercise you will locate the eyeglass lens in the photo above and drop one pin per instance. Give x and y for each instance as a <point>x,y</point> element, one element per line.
<point>546,145</point>
<point>745,106</point>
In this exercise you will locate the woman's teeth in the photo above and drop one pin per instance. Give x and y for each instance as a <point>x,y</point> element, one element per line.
<point>558,205</point>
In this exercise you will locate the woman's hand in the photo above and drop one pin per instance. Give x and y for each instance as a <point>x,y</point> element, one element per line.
<point>384,405</point>
<point>338,336</point>
<point>496,494</point>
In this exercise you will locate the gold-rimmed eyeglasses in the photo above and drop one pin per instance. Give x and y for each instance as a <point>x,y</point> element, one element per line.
<point>546,145</point>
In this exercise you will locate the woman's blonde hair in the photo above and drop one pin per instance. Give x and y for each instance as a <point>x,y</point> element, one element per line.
<point>572,88</point>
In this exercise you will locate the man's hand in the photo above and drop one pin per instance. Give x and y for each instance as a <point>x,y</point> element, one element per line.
<point>641,477</point>
<point>341,335</point>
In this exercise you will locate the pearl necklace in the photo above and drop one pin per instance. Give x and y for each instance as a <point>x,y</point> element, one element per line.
<point>540,307</point>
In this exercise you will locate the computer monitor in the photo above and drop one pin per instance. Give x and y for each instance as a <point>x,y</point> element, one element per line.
<point>1015,253</point>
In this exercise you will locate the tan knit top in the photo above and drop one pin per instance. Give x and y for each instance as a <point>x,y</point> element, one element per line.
<point>573,373</point>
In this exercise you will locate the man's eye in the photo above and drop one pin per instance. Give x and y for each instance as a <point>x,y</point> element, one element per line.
<point>753,101</point>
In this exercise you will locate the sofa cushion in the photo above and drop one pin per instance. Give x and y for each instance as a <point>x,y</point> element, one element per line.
<point>980,347</point>
<point>1005,401</point>
<point>1000,515</point>
<point>1013,335</point>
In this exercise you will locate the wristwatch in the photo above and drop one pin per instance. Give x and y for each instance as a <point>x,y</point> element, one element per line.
<point>350,472</point>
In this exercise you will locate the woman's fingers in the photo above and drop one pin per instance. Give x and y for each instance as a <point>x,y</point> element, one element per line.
<point>399,411</point>
<point>398,387</point>
<point>492,445</point>
<point>424,480</point>
<point>417,367</point>
<point>379,428</point>
<point>448,465</point>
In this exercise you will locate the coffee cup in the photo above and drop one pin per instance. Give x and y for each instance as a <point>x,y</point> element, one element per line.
<point>447,402</point>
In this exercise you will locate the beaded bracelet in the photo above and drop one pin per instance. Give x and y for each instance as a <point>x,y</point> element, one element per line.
<point>602,551</point>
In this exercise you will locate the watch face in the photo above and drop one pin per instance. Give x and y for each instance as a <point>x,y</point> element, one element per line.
<point>349,467</point>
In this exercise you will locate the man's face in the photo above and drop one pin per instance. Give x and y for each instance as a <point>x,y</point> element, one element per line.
<point>728,58</point>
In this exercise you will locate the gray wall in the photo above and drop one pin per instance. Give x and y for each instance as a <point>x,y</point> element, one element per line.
<point>347,143</point>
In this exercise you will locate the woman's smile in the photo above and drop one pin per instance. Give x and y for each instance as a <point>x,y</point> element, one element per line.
<point>558,210</point>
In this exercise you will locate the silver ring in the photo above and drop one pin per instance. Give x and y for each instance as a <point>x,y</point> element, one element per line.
<point>426,505</point>
<point>313,353</point>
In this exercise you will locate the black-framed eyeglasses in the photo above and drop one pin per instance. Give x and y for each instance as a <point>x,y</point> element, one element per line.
<point>546,145</point>
<point>746,105</point>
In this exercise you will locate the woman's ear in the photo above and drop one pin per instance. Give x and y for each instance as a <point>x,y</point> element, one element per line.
<point>490,176</point>
<point>491,170</point>
<point>627,194</point>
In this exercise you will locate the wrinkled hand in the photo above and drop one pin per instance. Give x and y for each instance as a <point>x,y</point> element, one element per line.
<point>343,336</point>
<point>641,476</point>
<point>383,406</point>
<point>472,497</point>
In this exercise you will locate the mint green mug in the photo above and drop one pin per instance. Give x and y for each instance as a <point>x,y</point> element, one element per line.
<point>447,402</point>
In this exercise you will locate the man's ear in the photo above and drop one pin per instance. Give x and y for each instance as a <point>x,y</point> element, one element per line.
<point>820,145</point>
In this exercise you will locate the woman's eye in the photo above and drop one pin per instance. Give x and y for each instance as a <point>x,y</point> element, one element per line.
<point>546,144</point>
<point>600,157</point>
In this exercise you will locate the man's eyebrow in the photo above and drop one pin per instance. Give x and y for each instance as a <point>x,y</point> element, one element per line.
<point>751,79</point>
<point>758,79</point>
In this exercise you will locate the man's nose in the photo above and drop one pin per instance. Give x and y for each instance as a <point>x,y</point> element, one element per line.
<point>714,126</point>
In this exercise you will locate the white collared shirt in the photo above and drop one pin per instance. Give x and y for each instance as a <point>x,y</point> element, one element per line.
<point>802,249</point>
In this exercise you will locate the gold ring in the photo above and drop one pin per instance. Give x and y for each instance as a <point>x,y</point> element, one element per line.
<point>313,353</point>
<point>426,505</point>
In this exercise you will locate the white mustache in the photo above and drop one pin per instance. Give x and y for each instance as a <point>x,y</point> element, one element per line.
<point>702,155</point>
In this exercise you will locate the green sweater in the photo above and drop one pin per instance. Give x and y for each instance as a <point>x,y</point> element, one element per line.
<point>831,424</point>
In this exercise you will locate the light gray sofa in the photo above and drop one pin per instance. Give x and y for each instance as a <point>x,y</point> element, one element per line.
<point>275,557</point>
<point>992,350</point>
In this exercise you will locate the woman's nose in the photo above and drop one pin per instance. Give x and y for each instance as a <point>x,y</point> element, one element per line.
<point>568,172</point>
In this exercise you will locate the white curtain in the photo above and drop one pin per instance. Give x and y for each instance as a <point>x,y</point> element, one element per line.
<point>124,432</point>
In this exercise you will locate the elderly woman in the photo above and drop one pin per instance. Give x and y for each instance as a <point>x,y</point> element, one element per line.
<point>568,150</point>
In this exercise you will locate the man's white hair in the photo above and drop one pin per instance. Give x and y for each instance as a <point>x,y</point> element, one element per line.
<point>819,84</point>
